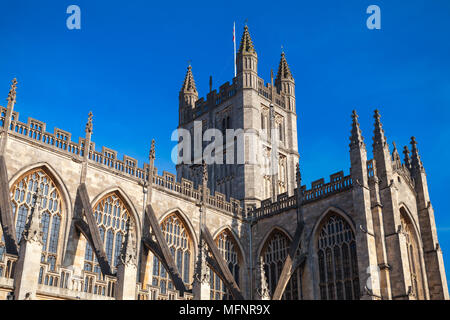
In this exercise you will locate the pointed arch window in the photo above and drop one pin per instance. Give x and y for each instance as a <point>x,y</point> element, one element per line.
<point>230,252</point>
<point>338,265</point>
<point>22,202</point>
<point>412,249</point>
<point>180,245</point>
<point>274,255</point>
<point>112,216</point>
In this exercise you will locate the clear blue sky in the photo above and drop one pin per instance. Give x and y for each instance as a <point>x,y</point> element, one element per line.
<point>128,61</point>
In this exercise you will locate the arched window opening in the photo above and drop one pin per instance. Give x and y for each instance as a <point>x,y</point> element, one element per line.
<point>230,252</point>
<point>338,266</point>
<point>112,216</point>
<point>22,202</point>
<point>412,248</point>
<point>274,254</point>
<point>180,244</point>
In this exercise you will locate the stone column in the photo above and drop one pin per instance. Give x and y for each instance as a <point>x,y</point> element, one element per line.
<point>27,268</point>
<point>127,268</point>
<point>262,289</point>
<point>201,286</point>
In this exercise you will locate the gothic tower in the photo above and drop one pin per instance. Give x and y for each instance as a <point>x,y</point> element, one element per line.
<point>264,156</point>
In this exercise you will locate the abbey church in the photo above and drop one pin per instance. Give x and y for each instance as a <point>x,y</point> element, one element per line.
<point>79,223</point>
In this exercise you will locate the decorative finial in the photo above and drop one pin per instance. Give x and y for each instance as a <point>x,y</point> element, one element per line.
<point>407,159</point>
<point>415,162</point>
<point>378,139</point>
<point>12,92</point>
<point>152,151</point>
<point>89,123</point>
<point>356,138</point>
<point>271,77</point>
<point>128,255</point>
<point>396,156</point>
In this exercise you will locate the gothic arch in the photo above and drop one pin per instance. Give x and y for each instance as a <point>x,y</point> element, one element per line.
<point>272,253</point>
<point>183,216</point>
<point>233,255</point>
<point>112,210</point>
<point>322,219</point>
<point>264,242</point>
<point>414,249</point>
<point>235,238</point>
<point>413,221</point>
<point>66,204</point>
<point>335,264</point>
<point>127,201</point>
<point>181,241</point>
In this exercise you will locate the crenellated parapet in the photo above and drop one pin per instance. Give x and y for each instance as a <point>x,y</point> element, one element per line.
<point>319,190</point>
<point>60,141</point>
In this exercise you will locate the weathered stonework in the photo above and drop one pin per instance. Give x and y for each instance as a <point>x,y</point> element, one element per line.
<point>382,242</point>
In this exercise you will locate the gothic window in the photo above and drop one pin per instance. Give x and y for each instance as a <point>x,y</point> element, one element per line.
<point>22,202</point>
<point>274,255</point>
<point>412,249</point>
<point>229,250</point>
<point>180,245</point>
<point>112,217</point>
<point>338,266</point>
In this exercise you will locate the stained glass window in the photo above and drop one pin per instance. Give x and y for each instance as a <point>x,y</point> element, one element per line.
<point>22,201</point>
<point>338,266</point>
<point>180,245</point>
<point>229,250</point>
<point>111,215</point>
<point>274,255</point>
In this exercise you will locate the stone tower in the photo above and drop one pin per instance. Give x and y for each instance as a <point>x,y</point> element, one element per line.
<point>265,113</point>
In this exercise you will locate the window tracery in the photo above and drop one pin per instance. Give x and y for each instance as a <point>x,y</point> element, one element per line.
<point>229,251</point>
<point>112,216</point>
<point>274,255</point>
<point>338,267</point>
<point>180,245</point>
<point>22,202</point>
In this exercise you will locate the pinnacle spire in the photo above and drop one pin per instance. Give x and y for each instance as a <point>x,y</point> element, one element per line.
<point>415,162</point>
<point>246,42</point>
<point>283,69</point>
<point>12,92</point>
<point>152,151</point>
<point>129,246</point>
<point>356,139</point>
<point>396,156</point>
<point>189,82</point>
<point>89,126</point>
<point>378,138</point>
<point>407,159</point>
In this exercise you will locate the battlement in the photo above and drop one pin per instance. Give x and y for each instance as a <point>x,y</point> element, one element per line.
<point>265,90</point>
<point>319,190</point>
<point>60,141</point>
<point>227,91</point>
<point>213,99</point>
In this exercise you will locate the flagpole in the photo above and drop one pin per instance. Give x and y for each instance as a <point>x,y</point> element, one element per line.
<point>234,42</point>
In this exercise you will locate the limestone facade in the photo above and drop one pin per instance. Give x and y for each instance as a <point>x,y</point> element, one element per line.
<point>367,235</point>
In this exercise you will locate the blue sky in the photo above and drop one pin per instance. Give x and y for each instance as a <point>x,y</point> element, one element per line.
<point>128,61</point>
